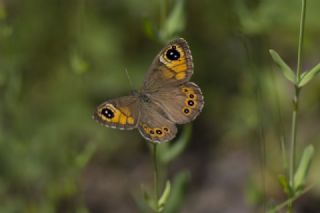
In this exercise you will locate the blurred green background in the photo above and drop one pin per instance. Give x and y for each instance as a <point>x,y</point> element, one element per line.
<point>60,59</point>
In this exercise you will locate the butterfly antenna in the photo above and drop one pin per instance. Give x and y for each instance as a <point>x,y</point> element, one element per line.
<point>129,79</point>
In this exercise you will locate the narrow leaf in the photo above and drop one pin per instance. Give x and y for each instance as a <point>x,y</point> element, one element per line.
<point>3,13</point>
<point>140,202</point>
<point>148,199</point>
<point>303,169</point>
<point>177,148</point>
<point>82,159</point>
<point>306,78</point>
<point>284,184</point>
<point>285,69</point>
<point>164,197</point>
<point>177,194</point>
<point>78,64</point>
<point>149,29</point>
<point>302,75</point>
<point>175,22</point>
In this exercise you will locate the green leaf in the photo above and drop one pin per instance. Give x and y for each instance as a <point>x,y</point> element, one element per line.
<point>164,197</point>
<point>177,148</point>
<point>148,199</point>
<point>83,158</point>
<point>285,69</point>
<point>285,184</point>
<point>175,22</point>
<point>177,192</point>
<point>78,64</point>
<point>309,75</point>
<point>3,13</point>
<point>149,29</point>
<point>303,169</point>
<point>302,75</point>
<point>140,202</point>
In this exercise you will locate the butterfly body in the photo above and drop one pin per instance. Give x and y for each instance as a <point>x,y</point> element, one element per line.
<point>143,97</point>
<point>166,98</point>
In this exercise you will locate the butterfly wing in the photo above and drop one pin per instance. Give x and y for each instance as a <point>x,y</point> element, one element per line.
<point>154,125</point>
<point>172,66</point>
<point>181,104</point>
<point>121,113</point>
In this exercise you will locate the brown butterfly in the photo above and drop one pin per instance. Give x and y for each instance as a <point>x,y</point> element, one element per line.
<point>166,98</point>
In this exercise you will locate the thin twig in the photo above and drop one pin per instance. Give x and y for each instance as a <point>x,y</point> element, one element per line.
<point>296,104</point>
<point>155,174</point>
<point>290,200</point>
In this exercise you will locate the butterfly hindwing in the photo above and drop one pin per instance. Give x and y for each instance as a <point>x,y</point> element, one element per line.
<point>172,66</point>
<point>120,113</point>
<point>153,124</point>
<point>182,103</point>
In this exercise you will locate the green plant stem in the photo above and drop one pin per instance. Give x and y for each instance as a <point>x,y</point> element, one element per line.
<point>287,202</point>
<point>296,105</point>
<point>293,145</point>
<point>301,37</point>
<point>155,174</point>
<point>293,136</point>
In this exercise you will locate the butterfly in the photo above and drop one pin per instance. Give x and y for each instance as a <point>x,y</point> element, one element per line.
<point>166,98</point>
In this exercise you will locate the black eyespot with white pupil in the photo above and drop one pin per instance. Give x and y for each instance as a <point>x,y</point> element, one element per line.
<point>159,132</point>
<point>107,113</point>
<point>173,54</point>
<point>190,103</point>
<point>186,111</point>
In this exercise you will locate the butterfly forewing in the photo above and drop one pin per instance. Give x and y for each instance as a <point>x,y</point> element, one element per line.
<point>172,66</point>
<point>120,113</point>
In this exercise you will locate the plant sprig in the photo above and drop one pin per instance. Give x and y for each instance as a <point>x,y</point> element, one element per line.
<point>295,183</point>
<point>156,201</point>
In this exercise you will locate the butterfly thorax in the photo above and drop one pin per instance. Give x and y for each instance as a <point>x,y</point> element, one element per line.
<point>143,97</point>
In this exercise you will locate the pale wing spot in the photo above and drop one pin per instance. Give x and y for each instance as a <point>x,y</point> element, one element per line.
<point>167,74</point>
<point>123,119</point>
<point>126,111</point>
<point>180,68</point>
<point>130,120</point>
<point>180,76</point>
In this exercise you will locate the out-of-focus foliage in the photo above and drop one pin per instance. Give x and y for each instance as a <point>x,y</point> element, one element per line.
<point>59,59</point>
